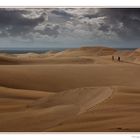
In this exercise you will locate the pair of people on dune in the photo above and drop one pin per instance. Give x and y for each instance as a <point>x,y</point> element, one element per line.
<point>119,59</point>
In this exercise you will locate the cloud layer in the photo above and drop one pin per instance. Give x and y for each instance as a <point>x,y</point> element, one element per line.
<point>118,24</point>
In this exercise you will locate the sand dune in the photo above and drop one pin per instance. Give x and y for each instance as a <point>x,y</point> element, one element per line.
<point>18,99</point>
<point>85,98</point>
<point>73,90</point>
<point>83,109</point>
<point>21,93</point>
<point>42,59</point>
<point>136,52</point>
<point>117,113</point>
<point>83,55</point>
<point>69,56</point>
<point>134,57</point>
<point>71,102</point>
<point>7,60</point>
<point>28,55</point>
<point>86,51</point>
<point>62,77</point>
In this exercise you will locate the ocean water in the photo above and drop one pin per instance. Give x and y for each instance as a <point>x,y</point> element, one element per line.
<point>39,50</point>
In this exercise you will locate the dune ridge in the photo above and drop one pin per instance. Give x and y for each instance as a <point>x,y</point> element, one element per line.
<point>68,56</point>
<point>82,55</point>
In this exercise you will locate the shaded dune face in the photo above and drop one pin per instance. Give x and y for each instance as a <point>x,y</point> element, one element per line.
<point>5,60</point>
<point>18,99</point>
<point>76,90</point>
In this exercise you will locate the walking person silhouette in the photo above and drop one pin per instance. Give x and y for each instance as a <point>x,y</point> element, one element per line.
<point>113,58</point>
<point>119,59</point>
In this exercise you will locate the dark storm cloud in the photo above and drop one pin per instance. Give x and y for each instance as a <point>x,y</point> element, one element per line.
<point>90,16</point>
<point>62,13</point>
<point>13,23</point>
<point>50,30</point>
<point>123,21</point>
<point>104,27</point>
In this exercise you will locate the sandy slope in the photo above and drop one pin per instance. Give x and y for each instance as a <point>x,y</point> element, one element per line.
<point>73,90</point>
<point>62,77</point>
<point>17,99</point>
<point>120,112</point>
<point>49,111</point>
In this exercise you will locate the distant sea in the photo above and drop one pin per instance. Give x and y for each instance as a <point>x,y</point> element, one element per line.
<point>39,50</point>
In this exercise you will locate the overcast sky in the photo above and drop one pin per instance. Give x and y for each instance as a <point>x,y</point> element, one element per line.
<point>69,27</point>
